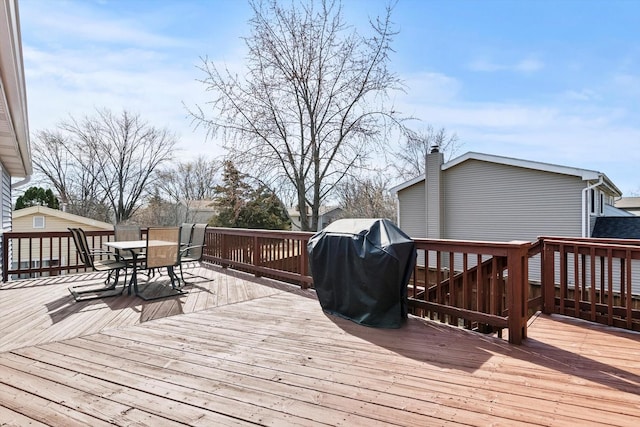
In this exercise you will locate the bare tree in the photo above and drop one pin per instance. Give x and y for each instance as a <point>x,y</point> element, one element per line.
<point>366,198</point>
<point>311,107</point>
<point>186,182</point>
<point>106,158</point>
<point>409,159</point>
<point>72,174</point>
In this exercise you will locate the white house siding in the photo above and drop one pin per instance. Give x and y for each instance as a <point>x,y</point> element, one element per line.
<point>496,202</point>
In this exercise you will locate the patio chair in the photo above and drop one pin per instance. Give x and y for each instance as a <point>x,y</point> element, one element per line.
<point>124,233</point>
<point>98,260</point>
<point>185,234</point>
<point>163,250</point>
<point>195,250</point>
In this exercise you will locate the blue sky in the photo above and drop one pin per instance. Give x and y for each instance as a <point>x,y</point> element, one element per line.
<point>551,81</point>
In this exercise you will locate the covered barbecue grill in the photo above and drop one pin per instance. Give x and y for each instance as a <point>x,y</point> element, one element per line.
<point>360,270</point>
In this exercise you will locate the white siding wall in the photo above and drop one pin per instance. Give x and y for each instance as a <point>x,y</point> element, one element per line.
<point>490,201</point>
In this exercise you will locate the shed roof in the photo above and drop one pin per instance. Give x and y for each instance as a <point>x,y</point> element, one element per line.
<point>43,210</point>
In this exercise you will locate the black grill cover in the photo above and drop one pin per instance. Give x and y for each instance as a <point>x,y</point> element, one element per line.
<point>360,270</point>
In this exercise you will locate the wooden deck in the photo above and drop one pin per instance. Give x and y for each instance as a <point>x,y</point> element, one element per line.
<point>237,350</point>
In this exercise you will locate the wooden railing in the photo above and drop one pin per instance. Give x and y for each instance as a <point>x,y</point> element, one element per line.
<point>55,249</point>
<point>275,254</point>
<point>484,286</point>
<point>593,279</point>
<point>476,285</point>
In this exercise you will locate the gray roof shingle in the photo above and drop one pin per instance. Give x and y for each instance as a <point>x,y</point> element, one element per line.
<point>617,227</point>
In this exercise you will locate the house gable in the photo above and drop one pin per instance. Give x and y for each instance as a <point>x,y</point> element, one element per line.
<point>54,220</point>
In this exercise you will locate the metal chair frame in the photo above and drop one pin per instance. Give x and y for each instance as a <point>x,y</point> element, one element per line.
<point>195,250</point>
<point>95,259</point>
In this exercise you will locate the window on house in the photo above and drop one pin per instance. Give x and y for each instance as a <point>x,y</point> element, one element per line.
<point>592,196</point>
<point>601,203</point>
<point>38,222</point>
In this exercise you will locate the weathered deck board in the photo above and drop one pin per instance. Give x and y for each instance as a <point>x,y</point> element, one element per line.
<point>42,310</point>
<point>237,350</point>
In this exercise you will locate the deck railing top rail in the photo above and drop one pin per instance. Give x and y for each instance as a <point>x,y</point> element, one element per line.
<point>471,246</point>
<point>260,233</point>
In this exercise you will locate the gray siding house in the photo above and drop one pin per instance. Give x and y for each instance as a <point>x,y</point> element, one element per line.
<point>485,197</point>
<point>493,198</point>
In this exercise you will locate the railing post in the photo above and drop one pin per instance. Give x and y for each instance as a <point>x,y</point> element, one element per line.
<point>224,252</point>
<point>304,262</point>
<point>5,258</point>
<point>548,285</point>
<point>518,289</point>
<point>257,255</point>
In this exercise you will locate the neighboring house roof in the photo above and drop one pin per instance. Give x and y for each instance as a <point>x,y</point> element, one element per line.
<point>15,151</point>
<point>615,211</point>
<point>617,227</point>
<point>200,210</point>
<point>326,210</point>
<point>628,203</point>
<point>43,210</point>
<point>323,210</point>
<point>584,174</point>
<point>201,205</point>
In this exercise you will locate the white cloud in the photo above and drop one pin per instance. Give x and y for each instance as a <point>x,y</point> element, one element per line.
<point>82,24</point>
<point>526,65</point>
<point>583,95</point>
<point>626,84</point>
<point>432,87</point>
<point>529,65</point>
<point>71,83</point>
<point>592,136</point>
<point>485,65</point>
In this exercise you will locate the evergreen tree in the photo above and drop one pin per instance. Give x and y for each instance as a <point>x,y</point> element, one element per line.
<point>241,206</point>
<point>231,197</point>
<point>264,210</point>
<point>37,196</point>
